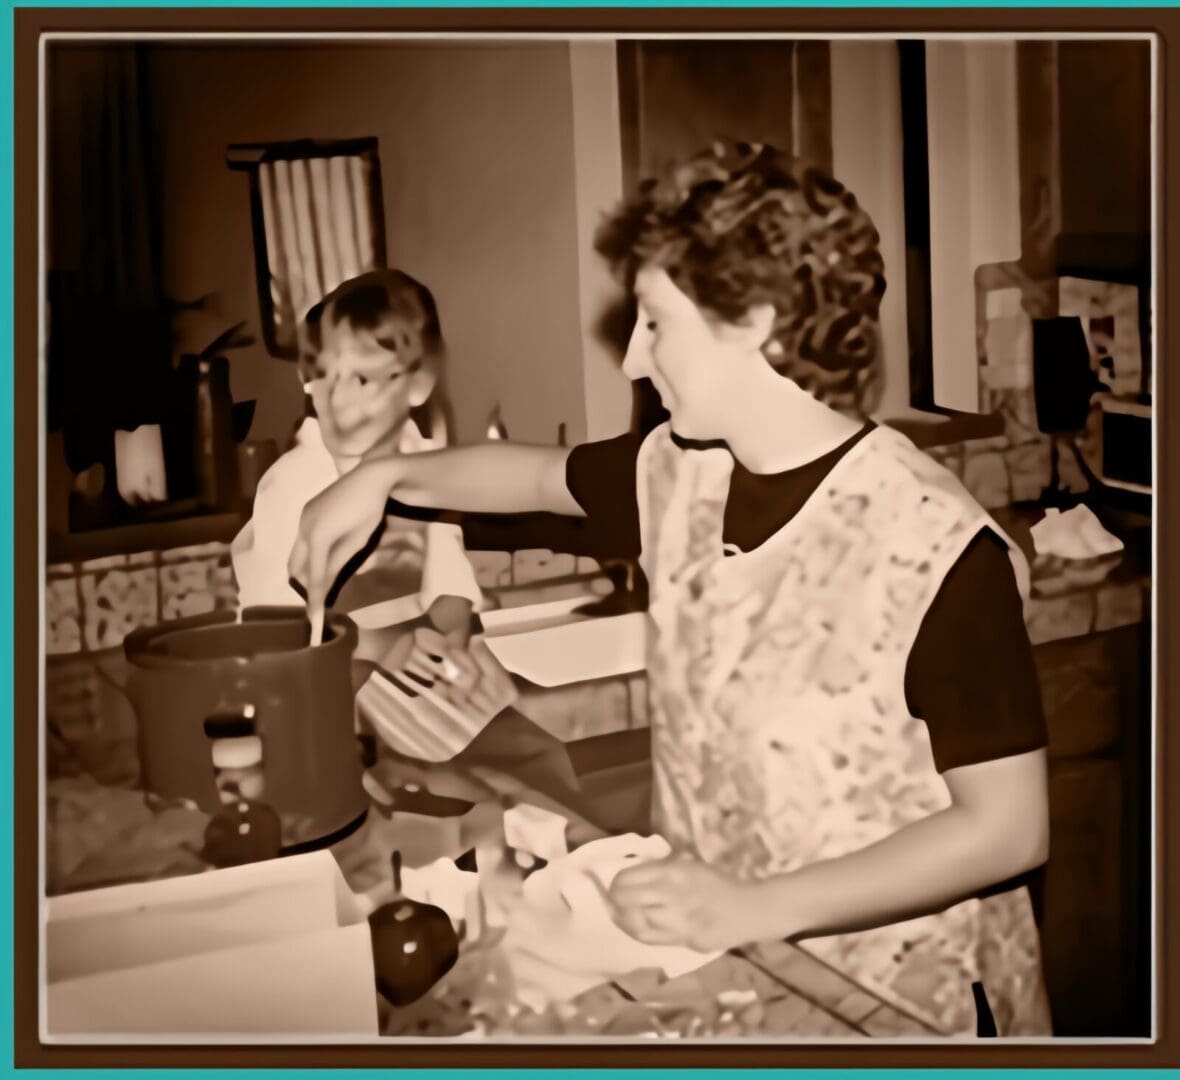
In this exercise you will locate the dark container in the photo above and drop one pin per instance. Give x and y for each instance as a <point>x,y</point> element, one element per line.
<point>215,450</point>
<point>198,679</point>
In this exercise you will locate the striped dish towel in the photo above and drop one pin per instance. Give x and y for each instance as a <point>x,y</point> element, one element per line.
<point>415,720</point>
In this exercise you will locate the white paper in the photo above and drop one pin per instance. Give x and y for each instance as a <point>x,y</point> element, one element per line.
<point>589,648</point>
<point>548,644</point>
<point>280,946</point>
<point>151,933</point>
<point>512,620</point>
<point>315,984</point>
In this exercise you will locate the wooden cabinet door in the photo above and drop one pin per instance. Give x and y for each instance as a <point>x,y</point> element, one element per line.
<point>1095,927</point>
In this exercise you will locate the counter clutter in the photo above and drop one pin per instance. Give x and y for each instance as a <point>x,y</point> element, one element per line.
<point>497,986</point>
<point>507,854</point>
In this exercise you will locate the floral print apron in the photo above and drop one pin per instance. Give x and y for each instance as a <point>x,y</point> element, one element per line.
<point>780,730</point>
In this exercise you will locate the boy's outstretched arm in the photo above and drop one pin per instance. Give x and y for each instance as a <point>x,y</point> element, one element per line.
<point>495,477</point>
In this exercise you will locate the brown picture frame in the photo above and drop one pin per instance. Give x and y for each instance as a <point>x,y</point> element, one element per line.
<point>31,23</point>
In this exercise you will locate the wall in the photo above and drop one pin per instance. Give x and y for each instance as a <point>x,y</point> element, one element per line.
<point>598,173</point>
<point>973,121</point>
<point>477,155</point>
<point>866,156</point>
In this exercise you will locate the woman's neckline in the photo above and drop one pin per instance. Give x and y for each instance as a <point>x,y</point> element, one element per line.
<point>730,556</point>
<point>838,451</point>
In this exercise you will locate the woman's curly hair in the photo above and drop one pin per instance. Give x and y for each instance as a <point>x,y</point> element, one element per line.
<point>742,225</point>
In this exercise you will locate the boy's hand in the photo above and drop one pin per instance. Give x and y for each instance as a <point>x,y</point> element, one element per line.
<point>337,524</point>
<point>469,677</point>
<point>451,617</point>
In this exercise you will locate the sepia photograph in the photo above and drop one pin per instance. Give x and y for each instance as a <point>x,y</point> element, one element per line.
<point>596,538</point>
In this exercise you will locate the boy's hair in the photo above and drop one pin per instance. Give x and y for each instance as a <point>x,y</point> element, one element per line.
<point>742,225</point>
<point>368,301</point>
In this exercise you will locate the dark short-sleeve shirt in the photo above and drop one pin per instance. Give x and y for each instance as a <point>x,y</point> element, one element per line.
<point>970,675</point>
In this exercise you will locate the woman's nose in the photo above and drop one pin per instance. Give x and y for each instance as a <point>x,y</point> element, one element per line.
<point>635,362</point>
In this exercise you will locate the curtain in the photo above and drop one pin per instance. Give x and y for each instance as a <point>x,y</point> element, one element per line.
<point>319,231</point>
<point>109,326</point>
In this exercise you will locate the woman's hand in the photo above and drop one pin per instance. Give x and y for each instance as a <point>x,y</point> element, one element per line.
<point>337,524</point>
<point>682,901</point>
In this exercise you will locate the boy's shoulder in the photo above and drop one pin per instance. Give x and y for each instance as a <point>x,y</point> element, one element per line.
<point>307,464</point>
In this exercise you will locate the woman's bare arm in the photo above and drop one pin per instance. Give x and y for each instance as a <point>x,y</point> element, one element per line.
<point>494,477</point>
<point>491,478</point>
<point>996,828</point>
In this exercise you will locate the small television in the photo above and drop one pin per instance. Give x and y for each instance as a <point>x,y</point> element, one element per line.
<point>1125,456</point>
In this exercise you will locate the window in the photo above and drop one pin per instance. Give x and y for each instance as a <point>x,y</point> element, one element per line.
<point>318,219</point>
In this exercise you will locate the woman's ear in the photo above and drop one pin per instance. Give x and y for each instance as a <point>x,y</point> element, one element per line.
<point>758,324</point>
<point>752,331</point>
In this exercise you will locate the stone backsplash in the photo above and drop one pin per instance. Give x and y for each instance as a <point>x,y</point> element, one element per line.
<point>92,605</point>
<point>1011,468</point>
<point>1016,467</point>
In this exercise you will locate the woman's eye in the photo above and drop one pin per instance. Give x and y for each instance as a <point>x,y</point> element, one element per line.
<point>651,326</point>
<point>363,380</point>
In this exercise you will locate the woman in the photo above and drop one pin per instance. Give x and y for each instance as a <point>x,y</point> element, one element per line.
<point>847,740</point>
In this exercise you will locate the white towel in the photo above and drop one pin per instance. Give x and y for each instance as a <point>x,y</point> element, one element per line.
<point>1076,534</point>
<point>562,941</point>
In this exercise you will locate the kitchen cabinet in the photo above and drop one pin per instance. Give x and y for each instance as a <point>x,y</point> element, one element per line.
<point>1094,892</point>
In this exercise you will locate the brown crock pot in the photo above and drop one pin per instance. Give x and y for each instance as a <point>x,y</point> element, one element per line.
<point>195,680</point>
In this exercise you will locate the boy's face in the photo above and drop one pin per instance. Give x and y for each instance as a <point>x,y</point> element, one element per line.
<point>688,356</point>
<point>365,384</point>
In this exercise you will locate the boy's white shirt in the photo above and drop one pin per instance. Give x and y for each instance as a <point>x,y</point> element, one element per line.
<point>262,549</point>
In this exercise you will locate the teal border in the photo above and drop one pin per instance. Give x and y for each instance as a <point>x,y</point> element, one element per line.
<point>601,4</point>
<point>7,524</point>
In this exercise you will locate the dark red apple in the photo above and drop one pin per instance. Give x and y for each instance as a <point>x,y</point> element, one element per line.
<point>414,945</point>
<point>242,832</point>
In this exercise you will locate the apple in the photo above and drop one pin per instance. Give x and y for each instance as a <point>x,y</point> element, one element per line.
<point>242,832</point>
<point>414,945</point>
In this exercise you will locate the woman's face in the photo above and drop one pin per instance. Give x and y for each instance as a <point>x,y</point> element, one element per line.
<point>367,382</point>
<point>688,356</point>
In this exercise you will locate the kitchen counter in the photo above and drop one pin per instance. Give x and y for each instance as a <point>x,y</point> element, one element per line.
<point>103,833</point>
